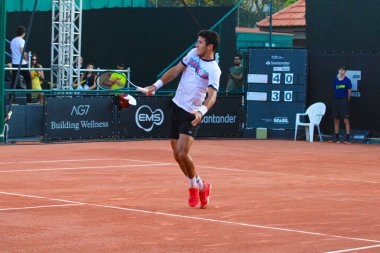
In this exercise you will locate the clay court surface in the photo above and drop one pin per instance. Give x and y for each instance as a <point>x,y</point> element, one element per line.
<point>268,196</point>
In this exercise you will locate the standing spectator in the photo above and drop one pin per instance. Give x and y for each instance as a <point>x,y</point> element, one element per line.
<point>78,62</point>
<point>77,65</point>
<point>17,47</point>
<point>342,92</point>
<point>235,76</point>
<point>37,78</point>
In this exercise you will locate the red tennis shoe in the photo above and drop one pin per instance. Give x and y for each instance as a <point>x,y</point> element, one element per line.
<point>204,195</point>
<point>193,196</point>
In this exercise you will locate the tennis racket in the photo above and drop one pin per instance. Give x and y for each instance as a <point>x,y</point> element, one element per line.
<point>115,81</point>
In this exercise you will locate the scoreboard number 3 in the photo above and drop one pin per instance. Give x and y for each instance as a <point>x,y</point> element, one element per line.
<point>275,95</point>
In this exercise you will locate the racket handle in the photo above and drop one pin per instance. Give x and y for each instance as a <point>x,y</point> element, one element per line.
<point>144,90</point>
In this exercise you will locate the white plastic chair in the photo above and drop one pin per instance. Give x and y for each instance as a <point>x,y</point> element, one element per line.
<point>315,112</point>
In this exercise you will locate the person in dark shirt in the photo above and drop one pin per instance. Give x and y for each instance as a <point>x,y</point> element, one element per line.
<point>342,96</point>
<point>235,76</point>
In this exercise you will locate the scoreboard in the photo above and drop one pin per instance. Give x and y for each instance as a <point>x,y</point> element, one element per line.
<point>276,88</point>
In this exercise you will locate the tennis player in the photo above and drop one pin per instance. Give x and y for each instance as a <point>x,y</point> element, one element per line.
<point>200,76</point>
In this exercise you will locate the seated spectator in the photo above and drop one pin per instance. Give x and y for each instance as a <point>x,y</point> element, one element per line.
<point>117,79</point>
<point>88,79</point>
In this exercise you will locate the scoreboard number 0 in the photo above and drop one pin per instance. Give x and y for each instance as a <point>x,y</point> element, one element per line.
<point>288,96</point>
<point>289,78</point>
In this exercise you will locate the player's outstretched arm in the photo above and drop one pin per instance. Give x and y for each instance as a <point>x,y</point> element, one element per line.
<point>167,77</point>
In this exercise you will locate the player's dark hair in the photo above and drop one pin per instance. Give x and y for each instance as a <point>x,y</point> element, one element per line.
<point>210,37</point>
<point>20,30</point>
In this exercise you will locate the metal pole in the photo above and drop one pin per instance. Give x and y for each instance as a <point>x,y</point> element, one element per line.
<point>3,19</point>
<point>270,22</point>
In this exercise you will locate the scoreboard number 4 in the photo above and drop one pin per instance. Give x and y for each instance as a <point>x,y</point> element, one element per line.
<point>276,78</point>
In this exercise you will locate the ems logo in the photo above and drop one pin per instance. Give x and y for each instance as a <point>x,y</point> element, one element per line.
<point>281,120</point>
<point>146,118</point>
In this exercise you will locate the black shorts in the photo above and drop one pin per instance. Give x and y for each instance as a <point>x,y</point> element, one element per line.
<point>181,123</point>
<point>340,108</point>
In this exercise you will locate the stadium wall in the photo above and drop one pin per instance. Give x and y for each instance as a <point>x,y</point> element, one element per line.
<point>146,39</point>
<point>337,34</point>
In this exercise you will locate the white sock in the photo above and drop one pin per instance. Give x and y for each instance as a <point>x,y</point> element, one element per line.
<point>199,182</point>
<point>193,182</point>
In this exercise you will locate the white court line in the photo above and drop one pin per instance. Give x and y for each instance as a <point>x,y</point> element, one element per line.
<point>58,161</point>
<point>174,164</point>
<point>263,172</point>
<point>87,167</point>
<point>285,174</point>
<point>354,249</point>
<point>36,207</point>
<point>39,197</point>
<point>76,160</point>
<point>201,219</point>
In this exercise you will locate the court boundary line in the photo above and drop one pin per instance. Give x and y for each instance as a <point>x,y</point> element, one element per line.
<point>352,249</point>
<point>198,218</point>
<point>37,207</point>
<point>155,163</point>
<point>57,161</point>
<point>86,167</point>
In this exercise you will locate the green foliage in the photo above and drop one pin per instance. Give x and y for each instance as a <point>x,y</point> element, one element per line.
<point>290,2</point>
<point>249,5</point>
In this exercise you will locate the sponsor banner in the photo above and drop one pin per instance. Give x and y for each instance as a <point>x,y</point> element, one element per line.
<point>151,118</point>
<point>26,121</point>
<point>79,117</point>
<point>224,119</point>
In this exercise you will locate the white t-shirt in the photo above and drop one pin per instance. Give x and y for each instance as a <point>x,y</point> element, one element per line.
<point>16,44</point>
<point>196,78</point>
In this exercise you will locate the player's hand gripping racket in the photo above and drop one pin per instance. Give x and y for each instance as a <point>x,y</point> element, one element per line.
<point>115,81</point>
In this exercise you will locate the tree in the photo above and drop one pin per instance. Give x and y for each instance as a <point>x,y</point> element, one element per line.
<point>249,5</point>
